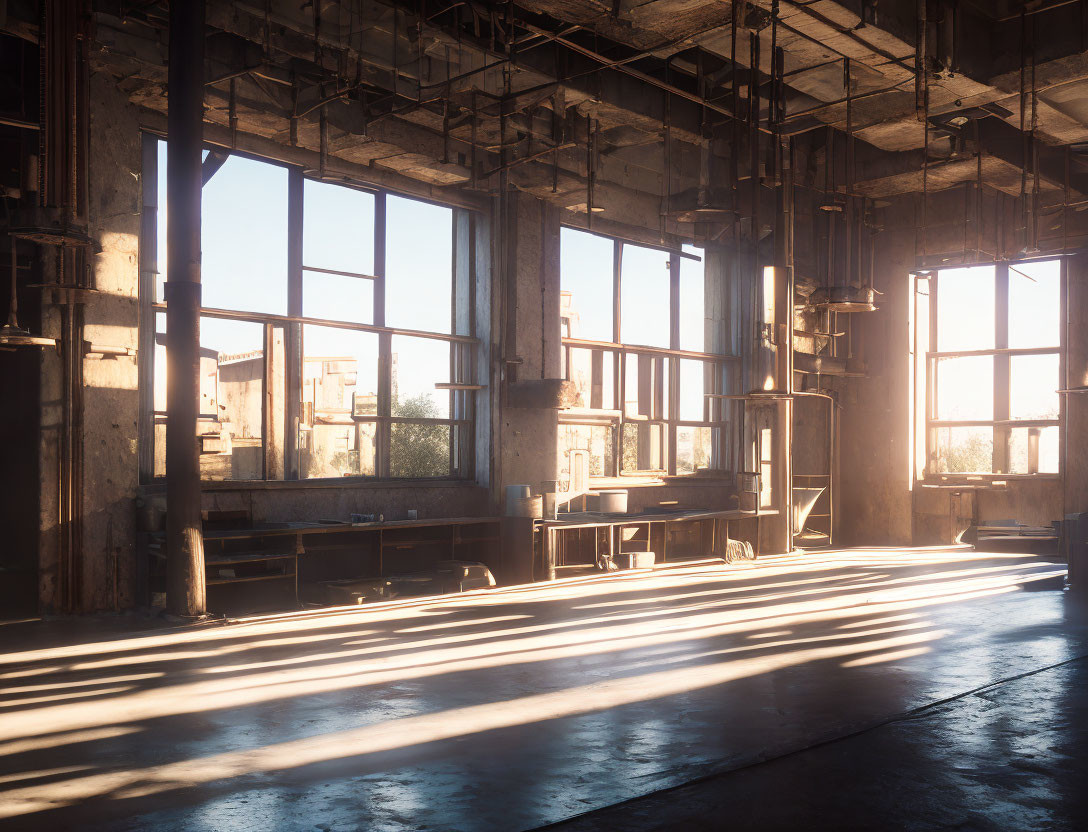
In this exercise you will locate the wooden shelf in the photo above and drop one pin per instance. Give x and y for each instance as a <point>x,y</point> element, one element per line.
<point>246,557</point>
<point>248,579</point>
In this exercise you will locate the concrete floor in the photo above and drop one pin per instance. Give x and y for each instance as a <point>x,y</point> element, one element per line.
<point>1010,757</point>
<point>514,709</point>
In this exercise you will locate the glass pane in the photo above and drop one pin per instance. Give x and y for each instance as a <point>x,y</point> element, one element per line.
<point>159,370</point>
<point>160,448</point>
<point>231,399</point>
<point>337,228</point>
<point>585,279</point>
<point>339,389</point>
<point>965,388</point>
<point>419,265</point>
<point>691,390</point>
<point>1033,385</point>
<point>965,308</point>
<point>642,447</point>
<point>645,386</point>
<point>244,237</point>
<point>693,449</point>
<point>337,450</point>
<point>965,450</point>
<point>692,302</point>
<point>1046,449</point>
<point>419,364</point>
<point>644,296</point>
<point>334,297</point>
<point>1035,304</point>
<point>597,439</point>
<point>592,373</point>
<point>419,450</point>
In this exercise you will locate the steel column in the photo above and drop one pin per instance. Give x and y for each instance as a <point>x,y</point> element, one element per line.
<point>185,588</point>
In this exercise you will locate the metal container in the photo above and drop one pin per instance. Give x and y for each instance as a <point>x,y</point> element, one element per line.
<point>613,501</point>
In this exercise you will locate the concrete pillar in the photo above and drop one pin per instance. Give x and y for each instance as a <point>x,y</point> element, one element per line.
<point>185,590</point>
<point>530,260</point>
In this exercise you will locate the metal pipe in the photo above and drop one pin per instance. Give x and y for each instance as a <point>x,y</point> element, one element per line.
<point>185,580</point>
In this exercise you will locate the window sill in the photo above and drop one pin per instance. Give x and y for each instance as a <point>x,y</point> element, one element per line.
<point>979,482</point>
<point>651,480</point>
<point>331,482</point>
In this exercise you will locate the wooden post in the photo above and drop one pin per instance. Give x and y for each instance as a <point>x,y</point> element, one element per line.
<point>185,589</point>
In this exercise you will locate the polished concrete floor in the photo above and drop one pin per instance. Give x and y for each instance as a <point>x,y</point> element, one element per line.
<point>514,709</point>
<point>1010,757</point>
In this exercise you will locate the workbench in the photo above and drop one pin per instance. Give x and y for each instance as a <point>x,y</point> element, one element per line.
<point>615,534</point>
<point>272,551</point>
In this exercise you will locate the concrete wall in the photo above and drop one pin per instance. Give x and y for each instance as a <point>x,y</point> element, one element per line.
<point>875,486</point>
<point>102,574</point>
<point>880,503</point>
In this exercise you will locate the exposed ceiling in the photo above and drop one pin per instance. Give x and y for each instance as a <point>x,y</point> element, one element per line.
<point>645,101</point>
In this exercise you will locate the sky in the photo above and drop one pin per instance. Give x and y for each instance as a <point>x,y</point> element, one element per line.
<point>586,271</point>
<point>244,266</point>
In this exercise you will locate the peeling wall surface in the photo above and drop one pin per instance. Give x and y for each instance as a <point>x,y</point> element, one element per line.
<point>111,404</point>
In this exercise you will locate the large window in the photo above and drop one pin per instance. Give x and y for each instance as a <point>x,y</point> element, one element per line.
<point>337,338</point>
<point>991,342</point>
<point>638,348</point>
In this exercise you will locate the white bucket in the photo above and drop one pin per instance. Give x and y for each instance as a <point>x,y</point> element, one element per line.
<point>613,501</point>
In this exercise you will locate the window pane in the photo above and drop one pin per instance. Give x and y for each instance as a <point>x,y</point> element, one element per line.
<point>419,364</point>
<point>592,374</point>
<point>693,449</point>
<point>585,279</point>
<point>645,386</point>
<point>1019,443</point>
<point>642,446</point>
<point>644,296</point>
<point>419,265</point>
<point>244,237</point>
<point>1035,304</point>
<point>1048,450</point>
<point>965,388</point>
<point>419,450</point>
<point>692,325</point>
<point>965,450</point>
<point>1033,385</point>
<point>337,228</point>
<point>334,297</point>
<point>597,439</point>
<point>965,308</point>
<point>339,390</point>
<point>231,417</point>
<point>691,390</point>
<point>231,399</point>
<point>337,450</point>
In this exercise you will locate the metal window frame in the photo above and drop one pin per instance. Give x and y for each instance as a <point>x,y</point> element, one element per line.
<point>715,367</point>
<point>1002,424</point>
<point>462,392</point>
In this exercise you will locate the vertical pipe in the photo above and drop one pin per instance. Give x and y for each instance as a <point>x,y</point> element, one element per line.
<point>185,590</point>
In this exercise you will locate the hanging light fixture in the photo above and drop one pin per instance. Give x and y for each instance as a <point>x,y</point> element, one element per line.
<point>11,334</point>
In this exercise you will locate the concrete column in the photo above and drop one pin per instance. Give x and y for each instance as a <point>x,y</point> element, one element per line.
<point>185,589</point>
<point>530,252</point>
